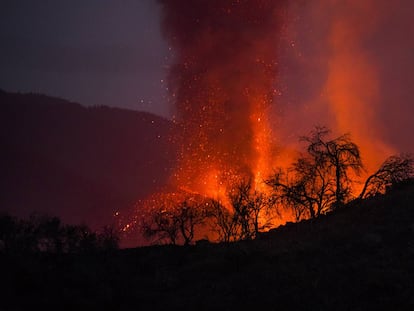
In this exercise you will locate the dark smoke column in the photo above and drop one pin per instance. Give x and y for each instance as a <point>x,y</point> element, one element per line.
<point>222,84</point>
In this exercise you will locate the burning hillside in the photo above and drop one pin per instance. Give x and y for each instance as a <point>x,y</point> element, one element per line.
<point>229,88</point>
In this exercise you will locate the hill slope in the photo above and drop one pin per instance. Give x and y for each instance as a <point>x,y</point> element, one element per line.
<point>359,258</point>
<point>80,164</point>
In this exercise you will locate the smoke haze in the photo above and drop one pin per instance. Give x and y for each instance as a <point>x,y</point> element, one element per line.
<point>346,64</point>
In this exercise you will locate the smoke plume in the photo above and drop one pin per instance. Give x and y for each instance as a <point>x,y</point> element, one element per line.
<point>345,64</point>
<point>222,83</point>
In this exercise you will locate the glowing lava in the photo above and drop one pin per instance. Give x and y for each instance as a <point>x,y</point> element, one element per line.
<point>222,83</point>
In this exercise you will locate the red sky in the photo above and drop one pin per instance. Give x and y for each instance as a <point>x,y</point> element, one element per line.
<point>348,64</point>
<point>112,53</point>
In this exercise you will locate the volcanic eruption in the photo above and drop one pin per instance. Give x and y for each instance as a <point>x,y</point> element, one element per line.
<point>238,67</point>
<point>222,84</point>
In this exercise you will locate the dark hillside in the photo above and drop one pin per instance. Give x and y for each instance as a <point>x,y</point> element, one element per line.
<point>80,164</point>
<point>359,258</point>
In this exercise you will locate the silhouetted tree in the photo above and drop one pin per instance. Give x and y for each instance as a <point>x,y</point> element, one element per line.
<point>394,170</point>
<point>170,220</point>
<point>41,233</point>
<point>9,229</point>
<point>189,215</point>
<point>248,205</point>
<point>223,221</point>
<point>48,233</point>
<point>305,188</point>
<point>318,181</point>
<point>88,240</point>
<point>109,238</point>
<point>161,224</point>
<point>339,156</point>
<point>73,238</point>
<point>241,220</point>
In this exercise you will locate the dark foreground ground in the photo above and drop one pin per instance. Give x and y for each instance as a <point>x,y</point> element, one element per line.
<point>359,258</point>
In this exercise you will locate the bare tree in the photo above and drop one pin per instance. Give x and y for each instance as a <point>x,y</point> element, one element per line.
<point>306,188</point>
<point>45,234</point>
<point>190,214</point>
<point>394,170</point>
<point>170,220</point>
<point>339,156</point>
<point>160,224</point>
<point>223,221</point>
<point>109,238</point>
<point>244,217</point>
<point>318,181</point>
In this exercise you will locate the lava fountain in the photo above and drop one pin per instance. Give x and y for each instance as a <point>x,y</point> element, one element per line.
<point>223,81</point>
<point>222,85</point>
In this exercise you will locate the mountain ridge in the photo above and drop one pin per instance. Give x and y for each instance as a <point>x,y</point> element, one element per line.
<point>79,163</point>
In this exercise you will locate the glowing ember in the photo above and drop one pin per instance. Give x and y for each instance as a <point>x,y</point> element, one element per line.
<point>223,85</point>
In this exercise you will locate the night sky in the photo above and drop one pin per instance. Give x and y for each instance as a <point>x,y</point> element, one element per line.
<point>95,52</point>
<point>241,80</point>
<point>110,52</point>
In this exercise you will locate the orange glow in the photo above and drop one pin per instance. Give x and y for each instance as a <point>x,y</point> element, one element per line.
<point>352,87</point>
<point>222,87</point>
<point>262,145</point>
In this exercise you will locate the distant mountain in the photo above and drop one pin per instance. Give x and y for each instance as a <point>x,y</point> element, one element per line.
<point>80,164</point>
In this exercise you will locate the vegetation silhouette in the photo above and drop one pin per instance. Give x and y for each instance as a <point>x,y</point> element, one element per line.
<point>355,257</point>
<point>347,250</point>
<point>242,221</point>
<point>320,180</point>
<point>45,234</point>
<point>395,170</point>
<point>174,218</point>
